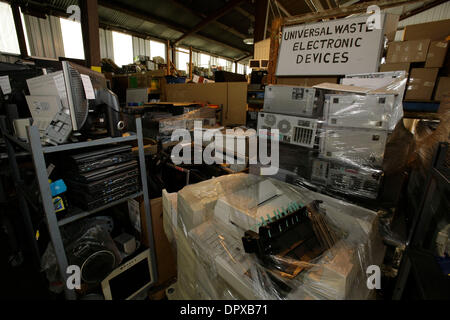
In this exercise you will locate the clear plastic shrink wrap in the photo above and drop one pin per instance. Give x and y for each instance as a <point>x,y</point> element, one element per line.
<point>213,217</point>
<point>393,83</point>
<point>356,128</point>
<point>341,151</point>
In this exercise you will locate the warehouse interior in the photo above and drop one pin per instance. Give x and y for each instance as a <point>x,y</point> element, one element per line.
<point>224,150</point>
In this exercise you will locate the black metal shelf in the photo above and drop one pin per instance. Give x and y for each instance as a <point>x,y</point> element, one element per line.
<point>78,214</point>
<point>87,144</point>
<point>72,146</point>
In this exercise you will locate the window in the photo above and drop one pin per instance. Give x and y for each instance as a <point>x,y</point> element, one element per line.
<point>157,49</point>
<point>240,68</point>
<point>205,60</point>
<point>230,66</point>
<point>222,63</point>
<point>183,59</point>
<point>195,58</point>
<point>72,39</point>
<point>248,70</point>
<point>8,35</point>
<point>123,48</point>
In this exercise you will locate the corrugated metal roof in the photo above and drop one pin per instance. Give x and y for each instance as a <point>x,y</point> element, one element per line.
<point>118,18</point>
<point>63,3</point>
<point>172,13</point>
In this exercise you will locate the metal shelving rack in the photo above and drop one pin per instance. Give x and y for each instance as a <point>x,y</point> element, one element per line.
<point>419,262</point>
<point>38,152</point>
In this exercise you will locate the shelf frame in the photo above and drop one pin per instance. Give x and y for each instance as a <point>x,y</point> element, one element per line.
<point>38,152</point>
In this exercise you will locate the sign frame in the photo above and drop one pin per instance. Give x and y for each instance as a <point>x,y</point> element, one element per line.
<point>293,53</point>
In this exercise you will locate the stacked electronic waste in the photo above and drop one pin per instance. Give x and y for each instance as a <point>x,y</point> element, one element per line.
<point>160,124</point>
<point>102,176</point>
<point>249,237</point>
<point>333,137</point>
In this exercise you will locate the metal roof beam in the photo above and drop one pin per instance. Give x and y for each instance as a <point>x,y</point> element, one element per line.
<point>345,11</point>
<point>143,16</point>
<point>212,17</point>
<point>317,5</point>
<point>283,9</point>
<point>245,13</point>
<point>223,26</point>
<point>243,58</point>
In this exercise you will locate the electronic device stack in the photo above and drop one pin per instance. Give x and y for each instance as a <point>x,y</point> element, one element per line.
<point>332,138</point>
<point>99,177</point>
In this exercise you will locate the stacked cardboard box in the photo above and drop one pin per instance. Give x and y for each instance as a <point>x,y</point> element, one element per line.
<point>423,53</point>
<point>408,51</point>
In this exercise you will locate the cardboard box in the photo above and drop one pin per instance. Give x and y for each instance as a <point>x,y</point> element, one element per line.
<point>405,66</point>
<point>262,50</point>
<point>443,87</point>
<point>421,84</point>
<point>390,26</point>
<point>436,54</point>
<point>305,81</point>
<point>165,258</point>
<point>435,31</point>
<point>408,51</point>
<point>231,96</point>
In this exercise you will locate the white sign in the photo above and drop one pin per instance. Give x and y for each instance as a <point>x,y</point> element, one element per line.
<point>5,85</point>
<point>336,47</point>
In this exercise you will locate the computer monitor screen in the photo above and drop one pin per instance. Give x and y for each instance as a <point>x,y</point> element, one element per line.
<point>130,279</point>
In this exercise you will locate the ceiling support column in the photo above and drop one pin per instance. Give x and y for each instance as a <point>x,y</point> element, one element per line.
<point>90,29</point>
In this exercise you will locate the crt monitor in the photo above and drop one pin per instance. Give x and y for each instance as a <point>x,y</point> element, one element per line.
<point>78,104</point>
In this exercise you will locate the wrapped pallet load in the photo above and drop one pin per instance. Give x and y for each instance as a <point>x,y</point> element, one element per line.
<point>248,237</point>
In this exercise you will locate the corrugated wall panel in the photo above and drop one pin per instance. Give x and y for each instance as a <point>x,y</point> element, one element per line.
<point>44,36</point>
<point>440,12</point>
<point>195,58</point>
<point>58,44</point>
<point>141,47</point>
<point>106,44</point>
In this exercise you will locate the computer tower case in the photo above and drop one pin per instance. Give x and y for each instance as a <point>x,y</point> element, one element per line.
<point>294,130</point>
<point>294,100</point>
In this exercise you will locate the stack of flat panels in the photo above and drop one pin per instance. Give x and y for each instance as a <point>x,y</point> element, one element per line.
<point>99,177</point>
